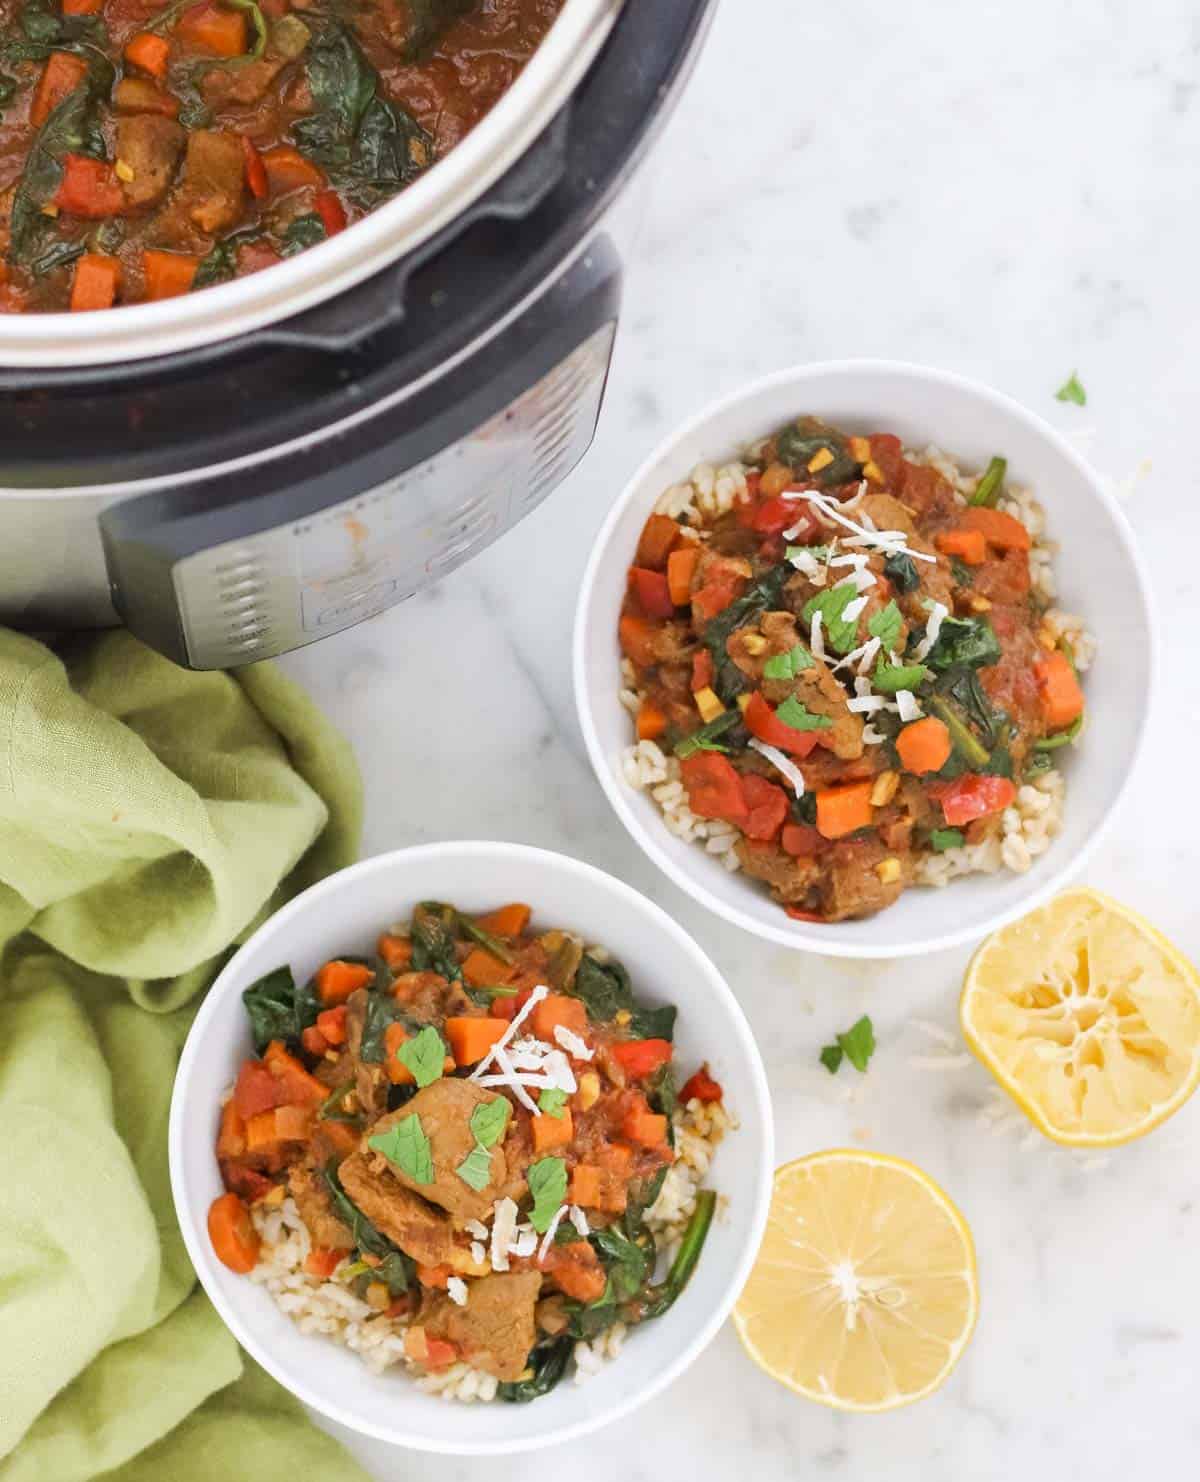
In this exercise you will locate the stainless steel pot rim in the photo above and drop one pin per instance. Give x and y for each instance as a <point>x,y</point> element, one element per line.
<point>431,203</point>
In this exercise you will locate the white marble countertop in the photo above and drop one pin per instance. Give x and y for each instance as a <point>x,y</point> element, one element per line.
<point>1007,190</point>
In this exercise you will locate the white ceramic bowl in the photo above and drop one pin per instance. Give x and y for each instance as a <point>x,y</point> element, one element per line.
<point>345,913</point>
<point>1099,576</point>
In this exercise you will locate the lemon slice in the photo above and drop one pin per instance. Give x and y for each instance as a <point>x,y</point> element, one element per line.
<point>1088,1017</point>
<point>864,1292</point>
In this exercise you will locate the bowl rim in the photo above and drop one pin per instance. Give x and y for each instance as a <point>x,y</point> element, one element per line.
<point>756,1120</point>
<point>796,934</point>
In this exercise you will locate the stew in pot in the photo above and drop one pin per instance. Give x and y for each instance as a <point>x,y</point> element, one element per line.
<point>150,149</point>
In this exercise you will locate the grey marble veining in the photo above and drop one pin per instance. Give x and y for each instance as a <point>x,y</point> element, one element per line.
<point>1008,190</point>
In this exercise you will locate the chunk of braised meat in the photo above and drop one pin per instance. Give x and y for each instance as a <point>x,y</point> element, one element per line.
<point>224,87</point>
<point>309,1190</point>
<point>935,582</point>
<point>819,689</point>
<point>1004,578</point>
<point>140,95</point>
<point>790,879</point>
<point>857,880</point>
<point>370,1080</point>
<point>421,1231</point>
<point>672,643</point>
<point>929,495</point>
<point>431,997</point>
<point>495,1330</point>
<point>150,145</point>
<point>445,1109</point>
<point>773,634</point>
<point>211,192</point>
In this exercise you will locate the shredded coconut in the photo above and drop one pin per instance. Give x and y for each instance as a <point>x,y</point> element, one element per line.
<point>777,759</point>
<point>572,1043</point>
<point>456,1290</point>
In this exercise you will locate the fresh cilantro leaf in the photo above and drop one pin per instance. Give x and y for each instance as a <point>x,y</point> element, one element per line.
<point>548,1185</point>
<point>1072,390</point>
<point>831,604</point>
<point>476,1168</point>
<point>424,1055</point>
<point>901,571</point>
<point>885,625</point>
<point>890,679</point>
<point>788,665</point>
<point>859,1043</point>
<point>831,1058</point>
<point>798,717</point>
<point>552,1102</point>
<point>488,1121</point>
<point>946,838</point>
<point>406,1145</point>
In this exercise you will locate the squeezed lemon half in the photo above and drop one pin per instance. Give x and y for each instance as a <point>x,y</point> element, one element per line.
<point>864,1293</point>
<point>1088,1017</point>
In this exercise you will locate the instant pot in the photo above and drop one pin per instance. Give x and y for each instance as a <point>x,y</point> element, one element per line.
<point>245,470</point>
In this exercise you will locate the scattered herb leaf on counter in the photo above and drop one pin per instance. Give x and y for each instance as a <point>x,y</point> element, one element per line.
<point>424,1055</point>
<point>857,1045</point>
<point>406,1145</point>
<point>548,1185</point>
<point>1072,390</point>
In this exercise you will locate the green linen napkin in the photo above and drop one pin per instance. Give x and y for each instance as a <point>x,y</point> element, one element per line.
<point>149,818</point>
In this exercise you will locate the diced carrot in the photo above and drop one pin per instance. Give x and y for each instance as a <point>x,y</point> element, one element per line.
<point>657,540</point>
<point>552,1132</point>
<point>61,75</point>
<point>967,545</point>
<point>681,565</point>
<point>96,282</point>
<point>556,1009</point>
<point>82,7</point>
<point>256,171</point>
<point>507,921</point>
<point>89,188</point>
<point>231,1139</point>
<point>298,1087</point>
<point>652,592</point>
<point>924,746</point>
<point>261,1133</point>
<point>647,1128</point>
<point>332,1024</point>
<point>287,169</point>
<point>313,1040</point>
<point>841,810</point>
<point>615,1157</point>
<point>585,1185</point>
<point>398,1073</point>
<point>150,53</point>
<point>322,1261</point>
<point>471,1038</point>
<point>435,1276</point>
<point>331,211</point>
<point>396,951</point>
<point>168,274</point>
<point>233,1236</point>
<point>256,1090</point>
<point>293,1123</point>
<point>337,980</point>
<point>482,970</point>
<point>211,28</point>
<point>334,1140</point>
<point>637,636</point>
<point>651,721</point>
<point>1058,690</point>
<point>999,529</point>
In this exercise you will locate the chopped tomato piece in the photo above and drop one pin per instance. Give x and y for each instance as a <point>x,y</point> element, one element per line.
<point>761,721</point>
<point>767,807</point>
<point>89,188</point>
<point>652,592</point>
<point>972,796</point>
<point>323,1262</point>
<point>640,1058</point>
<point>801,840</point>
<point>701,1087</point>
<point>713,786</point>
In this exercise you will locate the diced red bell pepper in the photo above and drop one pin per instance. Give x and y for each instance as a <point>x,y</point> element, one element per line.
<point>767,807</point>
<point>256,171</point>
<point>89,188</point>
<point>702,670</point>
<point>801,840</point>
<point>652,592</point>
<point>331,211</point>
<point>761,721</point>
<point>772,516</point>
<point>714,787</point>
<point>972,796</point>
<point>639,1058</point>
<point>798,915</point>
<point>701,1087</point>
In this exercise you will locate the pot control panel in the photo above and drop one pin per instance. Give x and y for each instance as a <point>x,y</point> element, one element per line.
<point>327,535</point>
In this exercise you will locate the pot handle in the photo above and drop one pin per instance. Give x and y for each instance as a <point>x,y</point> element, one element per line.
<point>378,303</point>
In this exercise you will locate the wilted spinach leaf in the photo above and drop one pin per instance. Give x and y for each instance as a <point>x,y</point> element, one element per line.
<point>303,231</point>
<point>656,1023</point>
<point>625,1263</point>
<point>397,1269</point>
<point>604,988</point>
<point>57,253</point>
<point>964,641</point>
<point>427,19</point>
<point>548,1361</point>
<point>382,1010</point>
<point>278,1009</point>
<point>764,595</point>
<point>800,442</point>
<point>901,571</point>
<point>434,936</point>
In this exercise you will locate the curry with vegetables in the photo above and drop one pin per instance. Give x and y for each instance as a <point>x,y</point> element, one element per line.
<point>473,1125</point>
<point>850,665</point>
<point>148,149</point>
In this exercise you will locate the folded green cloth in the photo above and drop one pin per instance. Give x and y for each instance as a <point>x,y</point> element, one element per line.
<point>149,819</point>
